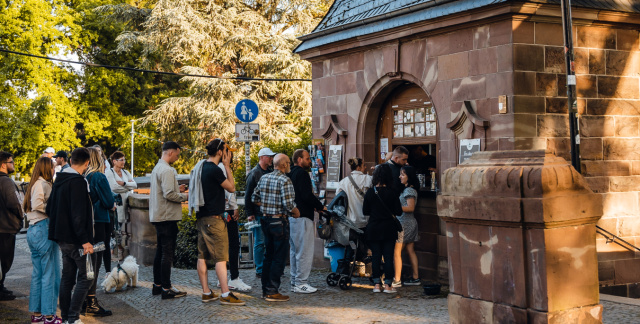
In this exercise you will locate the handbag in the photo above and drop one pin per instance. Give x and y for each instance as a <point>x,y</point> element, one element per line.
<point>353,182</point>
<point>396,221</point>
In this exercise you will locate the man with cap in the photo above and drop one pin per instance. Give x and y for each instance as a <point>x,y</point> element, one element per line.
<point>61,159</point>
<point>49,152</point>
<point>265,157</point>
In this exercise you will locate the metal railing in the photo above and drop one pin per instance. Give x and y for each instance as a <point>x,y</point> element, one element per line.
<point>612,238</point>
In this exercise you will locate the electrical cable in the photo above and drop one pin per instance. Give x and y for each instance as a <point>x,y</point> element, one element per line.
<point>112,67</point>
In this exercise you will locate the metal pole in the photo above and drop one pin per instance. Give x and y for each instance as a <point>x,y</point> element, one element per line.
<point>132,141</point>
<point>574,124</point>
<point>247,156</point>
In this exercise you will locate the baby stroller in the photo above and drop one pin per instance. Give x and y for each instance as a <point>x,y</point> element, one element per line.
<point>345,232</point>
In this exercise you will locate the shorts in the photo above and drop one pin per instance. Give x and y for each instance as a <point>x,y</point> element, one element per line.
<point>213,240</point>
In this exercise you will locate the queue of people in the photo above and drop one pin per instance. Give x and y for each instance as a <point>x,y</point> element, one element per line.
<point>81,205</point>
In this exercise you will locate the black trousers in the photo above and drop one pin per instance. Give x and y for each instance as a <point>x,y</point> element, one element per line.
<point>234,247</point>
<point>380,249</point>
<point>100,232</point>
<point>166,235</point>
<point>276,243</point>
<point>74,273</point>
<point>7,250</point>
<point>106,255</point>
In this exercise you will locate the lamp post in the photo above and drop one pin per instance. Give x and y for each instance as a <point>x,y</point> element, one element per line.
<point>574,124</point>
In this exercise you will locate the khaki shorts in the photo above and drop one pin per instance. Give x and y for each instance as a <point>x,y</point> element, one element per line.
<point>213,240</point>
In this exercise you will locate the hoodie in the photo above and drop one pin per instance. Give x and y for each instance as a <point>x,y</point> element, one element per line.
<point>10,207</point>
<point>306,201</point>
<point>70,209</point>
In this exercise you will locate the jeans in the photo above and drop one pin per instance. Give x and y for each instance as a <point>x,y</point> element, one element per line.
<point>7,250</point>
<point>166,234</point>
<point>381,249</point>
<point>45,277</point>
<point>258,246</point>
<point>301,252</point>
<point>234,247</point>
<point>74,273</point>
<point>276,241</point>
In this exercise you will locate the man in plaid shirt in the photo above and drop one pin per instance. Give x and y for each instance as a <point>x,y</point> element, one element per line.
<point>276,197</point>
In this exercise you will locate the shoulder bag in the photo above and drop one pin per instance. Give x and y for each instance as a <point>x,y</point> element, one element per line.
<point>353,182</point>
<point>396,222</point>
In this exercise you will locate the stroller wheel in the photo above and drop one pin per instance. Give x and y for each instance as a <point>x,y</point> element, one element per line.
<point>332,279</point>
<point>345,283</point>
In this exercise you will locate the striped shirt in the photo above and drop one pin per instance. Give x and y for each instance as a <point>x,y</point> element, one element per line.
<point>276,194</point>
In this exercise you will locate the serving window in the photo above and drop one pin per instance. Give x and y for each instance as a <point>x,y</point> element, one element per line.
<point>414,122</point>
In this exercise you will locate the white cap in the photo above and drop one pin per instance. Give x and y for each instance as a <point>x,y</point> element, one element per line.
<point>266,151</point>
<point>50,150</point>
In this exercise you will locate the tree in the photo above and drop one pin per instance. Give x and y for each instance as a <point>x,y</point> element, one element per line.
<point>232,38</point>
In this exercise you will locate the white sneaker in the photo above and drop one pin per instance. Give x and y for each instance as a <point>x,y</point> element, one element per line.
<point>238,284</point>
<point>304,289</point>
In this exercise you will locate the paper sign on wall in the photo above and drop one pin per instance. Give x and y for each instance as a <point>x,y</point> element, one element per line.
<point>384,147</point>
<point>467,148</point>
<point>333,166</point>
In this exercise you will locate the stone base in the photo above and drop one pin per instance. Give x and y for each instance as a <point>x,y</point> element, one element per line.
<point>468,310</point>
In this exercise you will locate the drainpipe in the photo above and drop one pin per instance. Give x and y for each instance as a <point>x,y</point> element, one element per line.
<point>574,123</point>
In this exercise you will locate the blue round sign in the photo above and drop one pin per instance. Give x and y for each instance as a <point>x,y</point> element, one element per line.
<point>246,110</point>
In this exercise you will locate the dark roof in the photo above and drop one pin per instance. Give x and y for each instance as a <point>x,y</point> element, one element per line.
<point>352,18</point>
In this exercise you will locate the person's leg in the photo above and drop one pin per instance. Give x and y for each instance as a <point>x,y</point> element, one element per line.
<point>397,261</point>
<point>157,261</point>
<point>168,252</point>
<point>221,272</point>
<point>304,255</point>
<point>7,250</point>
<point>387,253</point>
<point>96,257</point>
<point>268,257</point>
<point>49,265</point>
<point>203,275</point>
<point>68,279</point>
<point>106,256</point>
<point>234,248</point>
<point>82,284</point>
<point>35,240</point>
<point>258,248</point>
<point>414,260</point>
<point>294,245</point>
<point>376,260</point>
<point>279,230</point>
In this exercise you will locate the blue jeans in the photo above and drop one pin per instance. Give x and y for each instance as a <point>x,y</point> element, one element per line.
<point>276,241</point>
<point>45,277</point>
<point>258,246</point>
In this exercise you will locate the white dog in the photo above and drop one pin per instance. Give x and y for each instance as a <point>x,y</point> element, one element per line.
<point>125,273</point>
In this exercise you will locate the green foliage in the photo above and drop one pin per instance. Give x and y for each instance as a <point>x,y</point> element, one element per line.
<point>186,256</point>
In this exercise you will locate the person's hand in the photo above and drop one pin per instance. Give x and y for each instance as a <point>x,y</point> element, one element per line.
<point>120,183</point>
<point>295,212</point>
<point>114,206</point>
<point>88,248</point>
<point>183,188</point>
<point>226,158</point>
<point>236,215</point>
<point>251,218</point>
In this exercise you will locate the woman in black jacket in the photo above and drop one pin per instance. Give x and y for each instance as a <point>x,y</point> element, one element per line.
<point>380,202</point>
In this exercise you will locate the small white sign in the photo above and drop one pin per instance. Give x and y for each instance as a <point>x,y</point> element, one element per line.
<point>467,148</point>
<point>333,166</point>
<point>571,80</point>
<point>247,132</point>
<point>384,147</point>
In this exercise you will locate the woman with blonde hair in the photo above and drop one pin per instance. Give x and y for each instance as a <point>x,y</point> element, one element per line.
<point>45,254</point>
<point>356,185</point>
<point>103,201</point>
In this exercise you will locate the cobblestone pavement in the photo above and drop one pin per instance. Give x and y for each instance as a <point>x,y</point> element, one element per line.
<point>328,305</point>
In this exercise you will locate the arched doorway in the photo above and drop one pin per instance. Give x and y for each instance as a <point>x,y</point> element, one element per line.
<point>402,113</point>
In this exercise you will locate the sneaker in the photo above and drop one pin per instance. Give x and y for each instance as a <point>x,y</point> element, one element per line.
<point>238,284</point>
<point>4,290</point>
<point>412,282</point>
<point>156,290</point>
<point>54,320</point>
<point>231,300</point>
<point>211,297</point>
<point>37,319</point>
<point>304,289</point>
<point>76,322</point>
<point>4,296</point>
<point>172,293</point>
<point>258,275</point>
<point>390,290</point>
<point>377,289</point>
<point>277,298</point>
<point>396,284</point>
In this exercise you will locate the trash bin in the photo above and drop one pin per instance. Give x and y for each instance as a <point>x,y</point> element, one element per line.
<point>336,252</point>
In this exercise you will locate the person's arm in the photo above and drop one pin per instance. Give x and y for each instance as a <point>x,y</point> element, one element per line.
<point>366,205</point>
<point>306,191</point>
<point>168,184</point>
<point>129,184</point>
<point>10,196</point>
<point>248,197</point>
<point>228,184</point>
<point>288,196</point>
<point>397,207</point>
<point>79,218</point>
<point>38,202</point>
<point>113,184</point>
<point>255,196</point>
<point>104,192</point>
<point>411,205</point>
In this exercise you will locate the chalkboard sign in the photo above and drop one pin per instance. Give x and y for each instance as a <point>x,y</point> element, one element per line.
<point>334,160</point>
<point>467,148</point>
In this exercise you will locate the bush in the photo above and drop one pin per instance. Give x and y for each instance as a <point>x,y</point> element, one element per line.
<point>186,256</point>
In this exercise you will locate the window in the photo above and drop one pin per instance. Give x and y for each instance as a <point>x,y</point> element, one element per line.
<point>414,122</point>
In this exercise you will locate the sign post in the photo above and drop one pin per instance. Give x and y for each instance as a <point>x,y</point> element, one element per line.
<point>247,111</point>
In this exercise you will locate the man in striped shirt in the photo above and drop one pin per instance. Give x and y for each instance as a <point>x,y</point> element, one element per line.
<point>276,197</point>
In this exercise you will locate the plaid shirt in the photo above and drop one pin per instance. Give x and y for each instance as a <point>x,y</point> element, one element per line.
<point>276,193</point>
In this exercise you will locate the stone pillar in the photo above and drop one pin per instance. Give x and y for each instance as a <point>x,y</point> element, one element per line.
<point>143,234</point>
<point>520,229</point>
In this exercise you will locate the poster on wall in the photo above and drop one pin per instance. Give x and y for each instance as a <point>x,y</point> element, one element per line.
<point>333,166</point>
<point>384,147</point>
<point>467,148</point>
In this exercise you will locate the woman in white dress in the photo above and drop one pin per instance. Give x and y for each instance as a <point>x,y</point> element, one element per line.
<point>121,183</point>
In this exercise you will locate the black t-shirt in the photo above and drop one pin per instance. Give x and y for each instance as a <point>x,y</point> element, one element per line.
<point>212,191</point>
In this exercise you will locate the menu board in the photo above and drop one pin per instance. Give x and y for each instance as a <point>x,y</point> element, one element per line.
<point>333,166</point>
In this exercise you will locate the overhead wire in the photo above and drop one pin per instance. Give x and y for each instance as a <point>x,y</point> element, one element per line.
<point>113,67</point>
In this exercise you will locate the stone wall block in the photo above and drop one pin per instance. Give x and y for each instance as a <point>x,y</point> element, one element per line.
<point>508,314</point>
<point>626,126</point>
<point>605,168</point>
<point>629,226</point>
<point>524,125</point>
<point>483,61</point>
<point>356,62</point>
<point>340,65</point>
<point>559,146</point>
<point>549,34</point>
<point>500,33</point>
<point>328,86</point>
<point>597,126</point>
<point>623,63</point>
<point>583,315</point>
<point>596,61</point>
<point>438,45</point>
<point>505,58</point>
<point>613,107</point>
<point>506,261</point>
<point>619,204</point>
<point>481,37</point>
<point>523,32</point>
<point>627,270</point>
<point>413,56</point>
<point>598,184</point>
<point>546,84</point>
<point>143,234</point>
<point>624,183</point>
<point>461,40</point>
<point>346,83</point>
<point>591,149</point>
<point>499,84</point>
<point>524,83</point>
<point>554,61</point>
<point>528,57</point>
<point>628,40</point>
<point>618,87</point>
<point>454,261</point>
<point>468,310</point>
<point>581,60</point>
<point>475,249</point>
<point>528,104</point>
<point>317,70</point>
<point>530,143</point>
<point>553,126</point>
<point>469,88</point>
<point>621,148</point>
<point>453,66</point>
<point>596,37</point>
<point>585,86</point>
<point>430,75</point>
